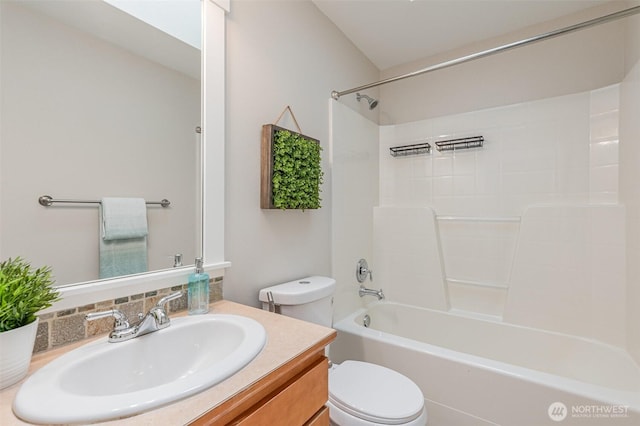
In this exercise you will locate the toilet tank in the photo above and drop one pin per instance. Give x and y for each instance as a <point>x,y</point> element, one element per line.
<point>309,299</point>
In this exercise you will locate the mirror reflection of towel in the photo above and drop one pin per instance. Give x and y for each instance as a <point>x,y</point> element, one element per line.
<point>123,236</point>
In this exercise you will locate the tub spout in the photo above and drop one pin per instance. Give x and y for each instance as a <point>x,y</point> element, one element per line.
<point>363,291</point>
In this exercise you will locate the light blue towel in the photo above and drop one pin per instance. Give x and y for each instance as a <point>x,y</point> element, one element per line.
<point>124,218</point>
<point>123,236</point>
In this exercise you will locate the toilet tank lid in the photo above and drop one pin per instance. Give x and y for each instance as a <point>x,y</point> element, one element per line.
<point>303,290</point>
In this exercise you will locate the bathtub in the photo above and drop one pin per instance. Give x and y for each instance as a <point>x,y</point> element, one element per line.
<point>477,371</point>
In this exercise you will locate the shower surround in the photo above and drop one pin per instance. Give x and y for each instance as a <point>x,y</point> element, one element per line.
<point>525,230</point>
<point>526,234</point>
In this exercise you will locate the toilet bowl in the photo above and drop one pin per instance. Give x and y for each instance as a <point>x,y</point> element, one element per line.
<point>360,393</point>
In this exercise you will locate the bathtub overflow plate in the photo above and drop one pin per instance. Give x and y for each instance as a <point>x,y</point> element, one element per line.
<point>366,320</point>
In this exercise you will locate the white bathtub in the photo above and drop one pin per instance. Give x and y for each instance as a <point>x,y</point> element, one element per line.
<point>476,371</point>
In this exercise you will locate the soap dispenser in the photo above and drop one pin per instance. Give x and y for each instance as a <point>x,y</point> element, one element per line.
<point>198,291</point>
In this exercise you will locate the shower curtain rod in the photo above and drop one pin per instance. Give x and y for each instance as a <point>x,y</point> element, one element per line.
<point>545,36</point>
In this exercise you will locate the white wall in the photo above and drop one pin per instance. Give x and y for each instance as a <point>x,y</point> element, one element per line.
<point>529,226</point>
<point>560,149</point>
<point>354,155</point>
<point>630,176</point>
<point>279,53</point>
<point>84,119</point>
<point>573,63</point>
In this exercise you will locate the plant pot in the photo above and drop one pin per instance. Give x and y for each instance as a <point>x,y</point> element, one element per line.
<point>16,348</point>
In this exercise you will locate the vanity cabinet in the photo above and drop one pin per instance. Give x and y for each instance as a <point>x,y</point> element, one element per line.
<point>285,385</point>
<point>291,395</point>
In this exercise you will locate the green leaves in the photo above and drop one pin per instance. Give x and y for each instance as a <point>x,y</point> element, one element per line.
<point>297,174</point>
<point>23,293</point>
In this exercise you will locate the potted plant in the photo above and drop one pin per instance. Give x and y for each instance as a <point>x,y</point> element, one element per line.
<point>23,293</point>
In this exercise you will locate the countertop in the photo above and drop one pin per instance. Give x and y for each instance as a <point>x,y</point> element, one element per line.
<point>287,338</point>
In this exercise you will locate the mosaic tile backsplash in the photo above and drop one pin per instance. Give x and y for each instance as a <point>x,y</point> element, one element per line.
<point>68,326</point>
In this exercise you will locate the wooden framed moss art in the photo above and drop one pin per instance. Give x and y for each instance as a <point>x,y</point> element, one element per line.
<point>291,169</point>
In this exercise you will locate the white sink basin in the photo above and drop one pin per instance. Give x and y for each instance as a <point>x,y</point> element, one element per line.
<point>102,381</point>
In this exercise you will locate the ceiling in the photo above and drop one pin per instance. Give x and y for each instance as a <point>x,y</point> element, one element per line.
<point>394,32</point>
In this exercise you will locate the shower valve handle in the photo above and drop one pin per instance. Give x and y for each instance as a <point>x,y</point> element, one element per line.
<point>362,270</point>
<point>370,273</point>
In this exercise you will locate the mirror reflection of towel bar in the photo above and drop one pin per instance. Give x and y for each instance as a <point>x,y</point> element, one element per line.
<point>47,200</point>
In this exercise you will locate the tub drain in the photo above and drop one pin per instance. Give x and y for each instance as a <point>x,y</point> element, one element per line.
<point>366,320</point>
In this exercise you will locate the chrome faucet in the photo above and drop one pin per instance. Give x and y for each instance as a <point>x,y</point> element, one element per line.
<point>363,291</point>
<point>362,270</point>
<point>156,319</point>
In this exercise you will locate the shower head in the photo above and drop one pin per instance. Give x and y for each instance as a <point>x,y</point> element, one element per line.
<point>372,102</point>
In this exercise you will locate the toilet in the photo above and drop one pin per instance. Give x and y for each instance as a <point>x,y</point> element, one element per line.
<point>360,393</point>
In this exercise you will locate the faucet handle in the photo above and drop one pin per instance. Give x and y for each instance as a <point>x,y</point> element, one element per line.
<point>121,319</point>
<point>362,270</point>
<point>159,313</point>
<point>168,298</point>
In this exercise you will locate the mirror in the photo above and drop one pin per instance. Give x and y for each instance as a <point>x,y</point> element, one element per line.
<point>96,103</point>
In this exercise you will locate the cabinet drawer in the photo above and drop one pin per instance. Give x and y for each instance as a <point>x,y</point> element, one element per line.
<point>296,402</point>
<point>320,419</point>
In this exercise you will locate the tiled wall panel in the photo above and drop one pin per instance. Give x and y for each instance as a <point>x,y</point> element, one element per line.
<point>503,252</point>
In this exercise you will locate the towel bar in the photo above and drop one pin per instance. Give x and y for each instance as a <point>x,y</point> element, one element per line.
<point>47,200</point>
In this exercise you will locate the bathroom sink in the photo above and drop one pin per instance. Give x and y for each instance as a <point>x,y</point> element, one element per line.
<point>101,380</point>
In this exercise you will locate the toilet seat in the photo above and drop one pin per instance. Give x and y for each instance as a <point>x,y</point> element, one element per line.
<point>374,393</point>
